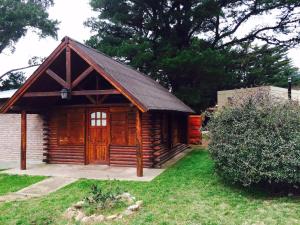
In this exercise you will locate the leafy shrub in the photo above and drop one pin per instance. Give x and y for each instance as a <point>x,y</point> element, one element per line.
<point>257,140</point>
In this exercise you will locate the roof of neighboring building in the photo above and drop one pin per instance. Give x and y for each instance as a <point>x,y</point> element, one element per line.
<point>276,92</point>
<point>7,94</point>
<point>146,90</point>
<point>140,89</point>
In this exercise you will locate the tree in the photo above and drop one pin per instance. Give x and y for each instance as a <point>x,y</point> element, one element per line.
<point>198,73</point>
<point>189,45</point>
<point>17,16</point>
<point>195,74</point>
<point>13,81</point>
<point>263,65</point>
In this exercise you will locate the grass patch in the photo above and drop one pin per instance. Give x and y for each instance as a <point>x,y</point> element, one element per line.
<point>103,200</point>
<point>12,183</point>
<point>187,193</point>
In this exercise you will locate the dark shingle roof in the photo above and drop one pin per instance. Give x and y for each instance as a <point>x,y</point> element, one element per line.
<point>147,91</point>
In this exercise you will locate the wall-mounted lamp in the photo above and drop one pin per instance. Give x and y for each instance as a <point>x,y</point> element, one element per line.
<point>65,94</point>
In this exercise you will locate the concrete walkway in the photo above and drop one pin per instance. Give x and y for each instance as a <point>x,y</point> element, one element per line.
<point>4,164</point>
<point>96,172</point>
<point>39,189</point>
<point>8,164</point>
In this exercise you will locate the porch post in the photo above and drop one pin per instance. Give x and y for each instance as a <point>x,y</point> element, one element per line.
<point>23,139</point>
<point>139,153</point>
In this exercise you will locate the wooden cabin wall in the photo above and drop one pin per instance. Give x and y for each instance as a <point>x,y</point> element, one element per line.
<point>123,146</point>
<point>66,142</point>
<point>163,136</point>
<point>66,136</point>
<point>148,139</point>
<point>172,130</point>
<point>123,136</point>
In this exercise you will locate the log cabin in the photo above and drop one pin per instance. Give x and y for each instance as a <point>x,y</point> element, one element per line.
<point>97,110</point>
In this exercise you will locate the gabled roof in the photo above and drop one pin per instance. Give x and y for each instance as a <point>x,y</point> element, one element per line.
<point>147,91</point>
<point>139,88</point>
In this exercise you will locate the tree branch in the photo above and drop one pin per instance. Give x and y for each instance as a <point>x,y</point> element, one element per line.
<point>14,70</point>
<point>255,10</point>
<point>255,34</point>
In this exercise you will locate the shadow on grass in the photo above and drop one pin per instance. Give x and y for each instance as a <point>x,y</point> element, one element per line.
<point>263,191</point>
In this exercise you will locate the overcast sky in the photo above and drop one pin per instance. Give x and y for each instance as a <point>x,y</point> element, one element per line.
<point>71,15</point>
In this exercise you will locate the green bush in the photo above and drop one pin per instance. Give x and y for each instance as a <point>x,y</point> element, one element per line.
<point>100,199</point>
<point>257,140</point>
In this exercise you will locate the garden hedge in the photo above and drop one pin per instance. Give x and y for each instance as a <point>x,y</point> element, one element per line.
<point>257,139</point>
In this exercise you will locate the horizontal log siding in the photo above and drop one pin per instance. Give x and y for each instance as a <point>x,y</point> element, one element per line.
<point>161,150</point>
<point>122,155</point>
<point>147,140</point>
<point>155,150</point>
<point>126,155</point>
<point>165,155</point>
<point>62,154</point>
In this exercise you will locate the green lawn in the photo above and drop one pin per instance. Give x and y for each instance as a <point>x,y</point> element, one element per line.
<point>189,193</point>
<point>12,183</point>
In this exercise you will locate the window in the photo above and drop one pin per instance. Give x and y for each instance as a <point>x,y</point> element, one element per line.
<point>98,119</point>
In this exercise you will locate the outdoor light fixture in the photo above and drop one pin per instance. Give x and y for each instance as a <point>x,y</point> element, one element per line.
<point>65,94</point>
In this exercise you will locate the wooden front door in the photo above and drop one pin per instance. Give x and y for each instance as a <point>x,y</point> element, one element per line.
<point>98,135</point>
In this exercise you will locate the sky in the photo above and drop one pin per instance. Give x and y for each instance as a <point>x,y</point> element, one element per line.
<point>71,15</point>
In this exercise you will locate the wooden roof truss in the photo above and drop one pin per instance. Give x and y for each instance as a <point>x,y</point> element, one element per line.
<point>96,96</point>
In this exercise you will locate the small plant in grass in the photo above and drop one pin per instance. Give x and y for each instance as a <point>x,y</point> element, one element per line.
<point>103,204</point>
<point>101,199</point>
<point>257,141</point>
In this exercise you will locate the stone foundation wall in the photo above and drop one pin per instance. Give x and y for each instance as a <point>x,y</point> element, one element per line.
<point>10,137</point>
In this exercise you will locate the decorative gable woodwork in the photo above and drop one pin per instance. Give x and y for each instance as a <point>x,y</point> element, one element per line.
<point>65,68</point>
